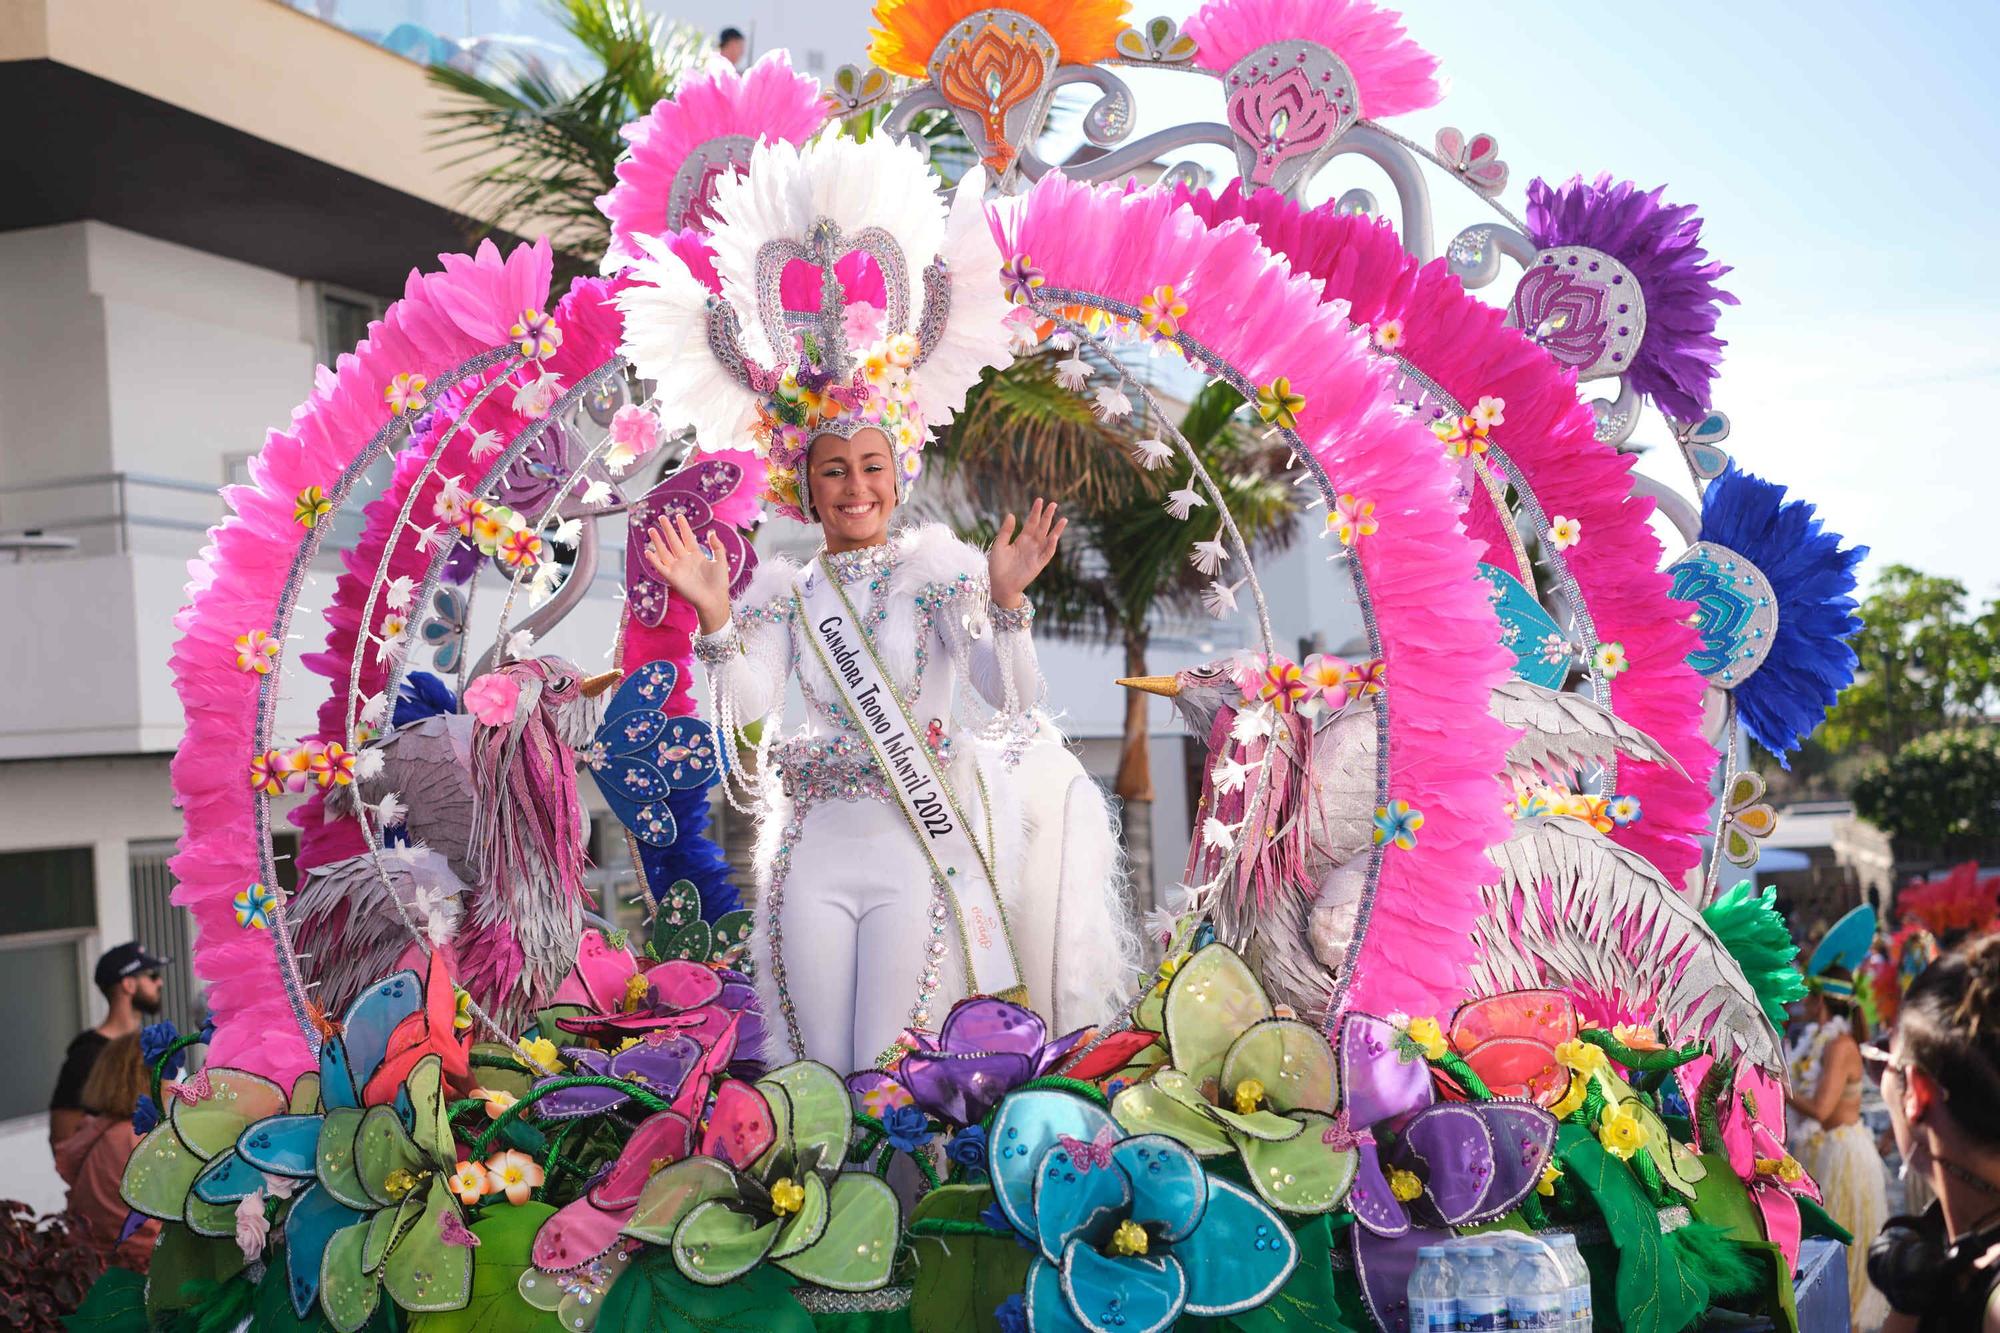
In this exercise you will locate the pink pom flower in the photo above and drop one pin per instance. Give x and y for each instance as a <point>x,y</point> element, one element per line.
<point>493,699</point>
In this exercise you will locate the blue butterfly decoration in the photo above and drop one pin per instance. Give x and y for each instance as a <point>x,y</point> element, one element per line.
<point>641,755</point>
<point>1542,652</point>
<point>445,630</point>
<point>1701,444</point>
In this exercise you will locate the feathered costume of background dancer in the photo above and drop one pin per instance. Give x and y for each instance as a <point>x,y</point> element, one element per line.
<point>908,856</point>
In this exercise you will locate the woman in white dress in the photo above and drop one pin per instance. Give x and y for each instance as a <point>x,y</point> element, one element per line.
<point>907,856</point>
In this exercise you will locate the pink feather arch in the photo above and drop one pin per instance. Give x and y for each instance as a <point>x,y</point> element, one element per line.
<point>1393,75</point>
<point>1249,311</point>
<point>244,581</point>
<point>1464,345</point>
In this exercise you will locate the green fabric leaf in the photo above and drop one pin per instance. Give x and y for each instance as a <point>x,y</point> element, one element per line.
<point>1816,1221</point>
<point>115,1303</point>
<point>430,1125</point>
<point>383,1147</point>
<point>804,1228</point>
<point>380,1232</point>
<point>820,1118</point>
<point>1721,1200</point>
<point>961,1279</point>
<point>210,1219</point>
<point>716,1244</point>
<point>732,934</point>
<point>1213,998</point>
<point>506,1240</point>
<point>858,1247</point>
<point>1291,1059</point>
<point>1778,1298</point>
<point>210,1126</point>
<point>1654,1294</point>
<point>273,1312</point>
<point>305,1095</point>
<point>674,1193</point>
<point>338,1169</point>
<point>545,1022</point>
<point>653,1297</point>
<point>1307,1302</point>
<point>348,1295</point>
<point>694,942</point>
<point>182,1257</point>
<point>1147,1108</point>
<point>159,1174</point>
<point>423,1272</point>
<point>1302,1175</point>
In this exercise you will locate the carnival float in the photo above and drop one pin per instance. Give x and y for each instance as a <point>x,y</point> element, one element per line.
<point>1461,948</point>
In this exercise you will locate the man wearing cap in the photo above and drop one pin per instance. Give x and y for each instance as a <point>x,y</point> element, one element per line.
<point>129,976</point>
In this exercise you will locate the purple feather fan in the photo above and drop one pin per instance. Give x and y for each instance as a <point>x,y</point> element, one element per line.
<point>1661,244</point>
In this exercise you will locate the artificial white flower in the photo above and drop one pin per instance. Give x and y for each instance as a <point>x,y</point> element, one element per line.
<point>390,810</point>
<point>485,444</point>
<point>374,708</point>
<point>534,398</point>
<point>1159,923</point>
<point>619,457</point>
<point>397,594</point>
<point>1063,340</point>
<point>1252,724</point>
<point>1219,599</point>
<point>1152,454</point>
<point>520,643</point>
<point>1073,373</point>
<point>567,531</point>
<point>595,490</point>
<point>1230,775</point>
<point>449,506</point>
<point>427,538</point>
<point>1184,500</point>
<point>1112,404</point>
<point>1216,834</point>
<point>368,763</point>
<point>1209,555</point>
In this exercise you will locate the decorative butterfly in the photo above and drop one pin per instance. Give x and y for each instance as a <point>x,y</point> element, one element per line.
<point>692,494</point>
<point>1096,1153</point>
<point>191,1091</point>
<point>1700,441</point>
<point>453,1231</point>
<point>1476,160</point>
<point>445,630</point>
<point>1746,818</point>
<point>1343,1137</point>
<point>640,754</point>
<point>1525,627</point>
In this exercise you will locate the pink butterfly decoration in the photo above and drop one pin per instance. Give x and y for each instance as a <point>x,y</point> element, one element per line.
<point>193,1090</point>
<point>453,1231</point>
<point>1090,1155</point>
<point>1342,1137</point>
<point>1476,159</point>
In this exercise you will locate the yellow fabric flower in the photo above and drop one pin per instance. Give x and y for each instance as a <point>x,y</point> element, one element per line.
<point>1168,966</point>
<point>1785,1168</point>
<point>787,1196</point>
<point>635,991</point>
<point>1580,1055</point>
<point>311,506</point>
<point>1129,1239</point>
<point>1404,1184</point>
<point>1278,405</point>
<point>1249,1096</point>
<point>461,1013</point>
<point>543,1052</point>
<point>1579,1087</point>
<point>1426,1033</point>
<point>1621,1132</point>
<point>1546,1186</point>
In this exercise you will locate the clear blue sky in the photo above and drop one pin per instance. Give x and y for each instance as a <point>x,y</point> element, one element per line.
<point>1843,155</point>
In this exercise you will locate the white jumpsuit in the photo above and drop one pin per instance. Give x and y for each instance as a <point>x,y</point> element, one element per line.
<point>853,943</point>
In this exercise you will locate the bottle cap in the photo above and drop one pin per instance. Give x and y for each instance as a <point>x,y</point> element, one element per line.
<point>1432,1252</point>
<point>1476,1250</point>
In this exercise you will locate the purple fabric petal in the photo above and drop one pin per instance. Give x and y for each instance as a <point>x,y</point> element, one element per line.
<point>568,1103</point>
<point>1523,1138</point>
<point>984,1024</point>
<point>1370,1197</point>
<point>587,1060</point>
<point>1058,1050</point>
<point>1451,1147</point>
<point>961,1089</point>
<point>659,1063</point>
<point>1385,1264</point>
<point>1380,1082</point>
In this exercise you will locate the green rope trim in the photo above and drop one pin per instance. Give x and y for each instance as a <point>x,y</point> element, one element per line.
<point>1642,1060</point>
<point>535,1094</point>
<point>953,1226</point>
<point>487,1060</point>
<point>1077,1086</point>
<point>1708,1102</point>
<point>873,1134</point>
<point>923,1160</point>
<point>1454,1064</point>
<point>160,1066</point>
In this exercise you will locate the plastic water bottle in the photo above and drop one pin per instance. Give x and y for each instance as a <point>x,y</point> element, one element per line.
<point>1576,1289</point>
<point>1433,1303</point>
<point>1536,1285</point>
<point>1482,1293</point>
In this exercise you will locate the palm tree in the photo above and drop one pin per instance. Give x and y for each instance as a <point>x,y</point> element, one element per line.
<point>549,138</point>
<point>1125,557</point>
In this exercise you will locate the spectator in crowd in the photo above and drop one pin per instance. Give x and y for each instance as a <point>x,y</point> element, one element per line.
<point>730,47</point>
<point>91,1160</point>
<point>1941,1079</point>
<point>1833,1145</point>
<point>129,977</point>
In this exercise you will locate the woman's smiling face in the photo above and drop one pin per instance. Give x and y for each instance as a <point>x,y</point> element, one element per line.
<point>853,485</point>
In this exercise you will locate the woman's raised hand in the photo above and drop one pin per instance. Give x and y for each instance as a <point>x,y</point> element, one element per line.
<point>700,576</point>
<point>1017,557</point>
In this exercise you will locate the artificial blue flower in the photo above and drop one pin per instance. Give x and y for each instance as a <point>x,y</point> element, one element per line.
<point>145,1115</point>
<point>1012,1315</point>
<point>968,1147</point>
<point>908,1128</point>
<point>1130,1232</point>
<point>154,1039</point>
<point>994,1216</point>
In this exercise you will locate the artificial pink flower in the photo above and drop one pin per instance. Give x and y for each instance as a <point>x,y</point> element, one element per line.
<point>492,699</point>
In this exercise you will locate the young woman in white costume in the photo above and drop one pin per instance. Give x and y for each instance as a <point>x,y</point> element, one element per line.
<point>909,853</point>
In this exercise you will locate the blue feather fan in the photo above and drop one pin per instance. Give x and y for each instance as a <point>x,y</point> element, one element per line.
<point>1812,574</point>
<point>691,856</point>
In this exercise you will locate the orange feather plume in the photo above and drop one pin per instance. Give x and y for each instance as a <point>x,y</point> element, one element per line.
<point>1084,31</point>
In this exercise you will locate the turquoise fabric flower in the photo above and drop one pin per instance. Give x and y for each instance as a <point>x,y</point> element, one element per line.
<point>1130,1233</point>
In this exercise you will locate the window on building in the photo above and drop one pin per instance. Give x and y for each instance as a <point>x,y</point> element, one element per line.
<point>52,913</point>
<point>344,317</point>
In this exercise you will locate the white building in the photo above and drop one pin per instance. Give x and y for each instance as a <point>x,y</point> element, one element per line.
<point>216,199</point>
